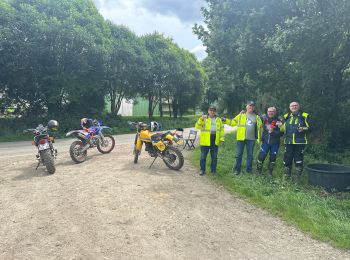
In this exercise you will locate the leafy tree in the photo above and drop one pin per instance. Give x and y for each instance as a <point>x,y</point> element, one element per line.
<point>126,62</point>
<point>158,70</point>
<point>173,74</point>
<point>53,51</point>
<point>277,51</point>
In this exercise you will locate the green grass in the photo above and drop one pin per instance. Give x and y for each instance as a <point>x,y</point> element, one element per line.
<point>324,216</point>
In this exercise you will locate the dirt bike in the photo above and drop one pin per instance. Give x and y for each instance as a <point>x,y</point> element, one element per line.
<point>90,138</point>
<point>158,145</point>
<point>44,142</point>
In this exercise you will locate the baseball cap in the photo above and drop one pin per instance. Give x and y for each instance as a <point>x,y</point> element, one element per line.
<point>250,102</point>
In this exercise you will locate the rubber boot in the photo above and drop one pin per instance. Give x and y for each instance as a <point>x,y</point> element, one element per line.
<point>287,173</point>
<point>259,167</point>
<point>271,166</point>
<point>299,172</point>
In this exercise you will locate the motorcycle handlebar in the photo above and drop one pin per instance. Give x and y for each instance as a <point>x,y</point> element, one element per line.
<point>29,130</point>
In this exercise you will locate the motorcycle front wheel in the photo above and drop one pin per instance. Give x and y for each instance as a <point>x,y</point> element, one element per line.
<point>107,145</point>
<point>76,153</point>
<point>48,160</point>
<point>136,155</point>
<point>173,158</point>
<point>136,152</point>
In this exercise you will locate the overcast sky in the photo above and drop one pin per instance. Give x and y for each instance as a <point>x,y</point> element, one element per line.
<point>174,18</point>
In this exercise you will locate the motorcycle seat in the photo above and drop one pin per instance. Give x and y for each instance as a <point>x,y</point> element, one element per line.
<point>156,137</point>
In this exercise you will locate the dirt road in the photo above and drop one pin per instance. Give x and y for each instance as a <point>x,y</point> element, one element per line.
<point>109,208</point>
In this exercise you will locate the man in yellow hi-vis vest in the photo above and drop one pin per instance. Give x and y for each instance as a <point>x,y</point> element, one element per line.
<point>212,134</point>
<point>249,128</point>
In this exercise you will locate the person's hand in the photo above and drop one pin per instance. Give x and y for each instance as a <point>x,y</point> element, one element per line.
<point>270,130</point>
<point>203,117</point>
<point>279,123</point>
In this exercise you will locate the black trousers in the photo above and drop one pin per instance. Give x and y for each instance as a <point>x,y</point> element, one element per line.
<point>294,152</point>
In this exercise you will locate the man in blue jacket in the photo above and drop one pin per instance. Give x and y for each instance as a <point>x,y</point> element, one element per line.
<point>295,127</point>
<point>270,141</point>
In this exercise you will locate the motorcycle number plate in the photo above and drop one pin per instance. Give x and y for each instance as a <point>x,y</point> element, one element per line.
<point>43,146</point>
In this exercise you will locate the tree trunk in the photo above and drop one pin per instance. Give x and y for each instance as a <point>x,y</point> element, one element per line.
<point>119,103</point>
<point>150,106</point>
<point>113,97</point>
<point>169,106</point>
<point>160,103</point>
<point>175,107</point>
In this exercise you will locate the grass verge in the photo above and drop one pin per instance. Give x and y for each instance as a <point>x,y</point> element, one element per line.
<point>324,216</point>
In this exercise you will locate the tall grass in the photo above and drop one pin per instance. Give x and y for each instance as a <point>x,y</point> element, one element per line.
<point>324,216</point>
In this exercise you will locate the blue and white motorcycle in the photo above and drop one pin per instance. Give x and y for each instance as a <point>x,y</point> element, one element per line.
<point>89,138</point>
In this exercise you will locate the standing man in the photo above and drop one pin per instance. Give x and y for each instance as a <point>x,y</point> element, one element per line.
<point>270,140</point>
<point>212,134</point>
<point>295,127</point>
<point>248,132</point>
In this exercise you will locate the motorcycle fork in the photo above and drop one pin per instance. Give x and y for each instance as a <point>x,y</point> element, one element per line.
<point>53,150</point>
<point>101,138</point>
<point>138,144</point>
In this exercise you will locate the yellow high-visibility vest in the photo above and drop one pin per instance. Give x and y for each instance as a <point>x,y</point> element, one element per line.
<point>204,127</point>
<point>240,121</point>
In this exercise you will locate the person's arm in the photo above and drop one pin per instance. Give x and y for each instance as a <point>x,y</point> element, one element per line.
<point>282,123</point>
<point>232,122</point>
<point>222,132</point>
<point>305,128</point>
<point>200,124</point>
<point>259,125</point>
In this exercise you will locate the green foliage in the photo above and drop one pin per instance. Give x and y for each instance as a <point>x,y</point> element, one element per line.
<point>276,52</point>
<point>63,57</point>
<point>126,63</point>
<point>322,215</point>
<point>173,74</point>
<point>50,51</point>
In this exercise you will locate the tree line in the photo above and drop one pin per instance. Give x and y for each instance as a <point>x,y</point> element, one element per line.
<point>278,51</point>
<point>63,57</point>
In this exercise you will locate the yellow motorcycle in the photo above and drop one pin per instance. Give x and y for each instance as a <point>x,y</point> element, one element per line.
<point>158,144</point>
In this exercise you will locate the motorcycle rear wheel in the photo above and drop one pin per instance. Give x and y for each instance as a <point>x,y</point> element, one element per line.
<point>75,152</point>
<point>173,158</point>
<point>48,160</point>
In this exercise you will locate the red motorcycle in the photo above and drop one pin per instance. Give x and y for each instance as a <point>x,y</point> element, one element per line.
<point>44,142</point>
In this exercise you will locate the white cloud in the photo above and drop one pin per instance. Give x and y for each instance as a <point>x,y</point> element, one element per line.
<point>135,16</point>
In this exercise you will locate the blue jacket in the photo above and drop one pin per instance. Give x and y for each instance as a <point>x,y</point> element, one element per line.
<point>291,125</point>
<point>270,138</point>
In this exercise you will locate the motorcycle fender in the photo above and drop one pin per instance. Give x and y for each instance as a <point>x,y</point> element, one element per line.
<point>42,147</point>
<point>138,144</point>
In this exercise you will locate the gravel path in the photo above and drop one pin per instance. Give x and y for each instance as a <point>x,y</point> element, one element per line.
<point>110,208</point>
